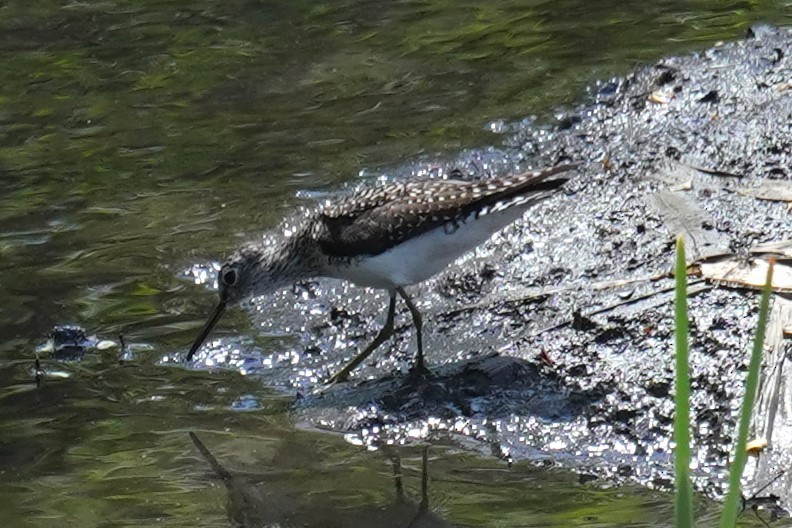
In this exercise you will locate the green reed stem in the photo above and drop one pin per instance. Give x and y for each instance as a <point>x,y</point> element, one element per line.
<point>683,499</point>
<point>733,499</point>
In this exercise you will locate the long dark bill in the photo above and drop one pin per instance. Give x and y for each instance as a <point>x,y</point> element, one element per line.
<point>218,311</point>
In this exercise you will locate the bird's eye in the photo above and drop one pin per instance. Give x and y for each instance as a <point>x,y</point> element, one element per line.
<point>229,277</point>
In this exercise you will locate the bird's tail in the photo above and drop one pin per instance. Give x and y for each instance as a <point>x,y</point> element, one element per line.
<point>526,188</point>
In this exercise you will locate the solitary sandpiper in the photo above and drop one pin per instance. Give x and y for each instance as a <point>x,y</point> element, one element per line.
<point>385,237</point>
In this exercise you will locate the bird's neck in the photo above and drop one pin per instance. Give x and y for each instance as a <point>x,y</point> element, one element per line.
<point>292,260</point>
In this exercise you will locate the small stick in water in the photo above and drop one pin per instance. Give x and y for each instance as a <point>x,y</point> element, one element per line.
<point>123,348</point>
<point>38,371</point>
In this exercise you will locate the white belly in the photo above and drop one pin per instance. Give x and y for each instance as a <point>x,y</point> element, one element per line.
<point>422,257</point>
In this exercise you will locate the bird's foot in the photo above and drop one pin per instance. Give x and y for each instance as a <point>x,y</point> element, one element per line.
<point>420,371</point>
<point>327,385</point>
<point>339,377</point>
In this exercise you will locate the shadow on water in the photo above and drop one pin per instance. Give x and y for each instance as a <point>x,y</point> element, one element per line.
<point>259,501</point>
<point>268,499</point>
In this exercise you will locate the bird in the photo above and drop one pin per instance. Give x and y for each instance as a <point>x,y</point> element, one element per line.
<point>387,237</point>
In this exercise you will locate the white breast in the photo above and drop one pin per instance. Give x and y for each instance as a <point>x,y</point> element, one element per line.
<point>418,259</point>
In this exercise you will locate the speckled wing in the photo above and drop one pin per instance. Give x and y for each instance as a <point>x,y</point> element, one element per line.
<point>377,219</point>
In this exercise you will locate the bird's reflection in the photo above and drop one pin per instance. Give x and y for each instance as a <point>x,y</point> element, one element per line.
<point>260,501</point>
<point>251,503</point>
<point>403,511</point>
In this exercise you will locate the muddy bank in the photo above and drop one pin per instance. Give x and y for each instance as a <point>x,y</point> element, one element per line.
<point>553,342</point>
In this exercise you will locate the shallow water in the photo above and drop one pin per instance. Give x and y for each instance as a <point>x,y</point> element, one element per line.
<point>137,139</point>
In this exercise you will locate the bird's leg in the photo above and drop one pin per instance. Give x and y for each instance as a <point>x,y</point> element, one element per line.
<point>383,335</point>
<point>420,366</point>
<point>396,464</point>
<point>423,507</point>
<point>424,480</point>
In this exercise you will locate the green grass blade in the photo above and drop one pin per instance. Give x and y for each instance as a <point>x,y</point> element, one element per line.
<point>733,499</point>
<point>683,499</point>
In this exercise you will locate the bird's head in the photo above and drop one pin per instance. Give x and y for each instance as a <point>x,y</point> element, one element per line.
<point>246,273</point>
<point>252,270</point>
